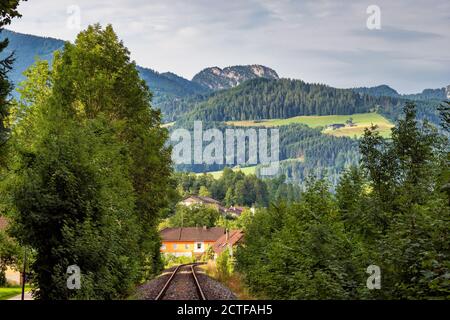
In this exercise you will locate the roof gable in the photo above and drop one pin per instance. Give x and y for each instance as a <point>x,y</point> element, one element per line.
<point>192,234</point>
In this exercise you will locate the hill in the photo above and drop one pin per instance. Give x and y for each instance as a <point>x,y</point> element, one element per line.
<point>27,48</point>
<point>260,99</point>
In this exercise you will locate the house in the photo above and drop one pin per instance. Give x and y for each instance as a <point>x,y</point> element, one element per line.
<point>235,211</point>
<point>335,126</point>
<point>12,277</point>
<point>206,201</point>
<point>188,242</point>
<point>3,223</point>
<point>228,241</point>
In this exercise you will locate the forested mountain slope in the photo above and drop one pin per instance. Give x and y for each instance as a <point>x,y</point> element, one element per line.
<point>268,99</point>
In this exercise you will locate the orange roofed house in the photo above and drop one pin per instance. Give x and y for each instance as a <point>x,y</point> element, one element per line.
<point>192,241</point>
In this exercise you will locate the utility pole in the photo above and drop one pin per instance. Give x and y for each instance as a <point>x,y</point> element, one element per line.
<point>24,273</point>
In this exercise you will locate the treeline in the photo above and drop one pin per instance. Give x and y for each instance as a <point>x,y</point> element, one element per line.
<point>87,171</point>
<point>236,188</point>
<point>389,219</point>
<point>269,99</point>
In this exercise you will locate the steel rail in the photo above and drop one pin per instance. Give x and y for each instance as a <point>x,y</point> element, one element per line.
<point>172,276</point>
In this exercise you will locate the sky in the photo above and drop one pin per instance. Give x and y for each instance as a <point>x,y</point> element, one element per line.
<point>317,41</point>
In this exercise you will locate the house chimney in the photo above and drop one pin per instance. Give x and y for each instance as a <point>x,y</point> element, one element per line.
<point>205,227</point>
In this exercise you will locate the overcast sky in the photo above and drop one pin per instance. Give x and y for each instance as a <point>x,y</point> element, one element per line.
<point>316,41</point>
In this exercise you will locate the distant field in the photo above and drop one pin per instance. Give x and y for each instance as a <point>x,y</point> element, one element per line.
<point>246,171</point>
<point>361,120</point>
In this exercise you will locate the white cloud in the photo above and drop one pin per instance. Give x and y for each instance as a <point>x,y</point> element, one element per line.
<point>320,41</point>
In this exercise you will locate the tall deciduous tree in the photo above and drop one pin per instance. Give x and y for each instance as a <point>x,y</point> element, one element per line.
<point>90,170</point>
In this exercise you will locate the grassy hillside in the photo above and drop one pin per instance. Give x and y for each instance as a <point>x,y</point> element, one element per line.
<point>246,171</point>
<point>361,121</point>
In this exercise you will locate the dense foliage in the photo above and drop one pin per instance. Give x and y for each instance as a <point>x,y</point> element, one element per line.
<point>194,216</point>
<point>236,188</point>
<point>391,212</point>
<point>89,170</point>
<point>269,99</point>
<point>8,11</point>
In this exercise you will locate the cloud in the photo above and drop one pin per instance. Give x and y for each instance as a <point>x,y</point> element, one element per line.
<point>315,40</point>
<point>394,34</point>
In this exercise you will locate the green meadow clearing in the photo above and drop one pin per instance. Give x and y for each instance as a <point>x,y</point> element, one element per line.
<point>361,121</point>
<point>9,292</point>
<point>246,171</point>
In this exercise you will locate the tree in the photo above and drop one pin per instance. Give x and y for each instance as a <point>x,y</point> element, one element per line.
<point>204,192</point>
<point>90,170</point>
<point>8,11</point>
<point>405,175</point>
<point>195,216</point>
<point>9,255</point>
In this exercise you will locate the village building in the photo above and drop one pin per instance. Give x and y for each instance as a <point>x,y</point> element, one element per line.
<point>188,242</point>
<point>206,201</point>
<point>335,126</point>
<point>235,211</point>
<point>195,241</point>
<point>228,241</point>
<point>12,277</point>
<point>3,223</point>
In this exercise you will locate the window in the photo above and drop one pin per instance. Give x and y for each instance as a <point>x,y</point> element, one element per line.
<point>175,246</point>
<point>199,245</point>
<point>186,246</point>
<point>163,247</point>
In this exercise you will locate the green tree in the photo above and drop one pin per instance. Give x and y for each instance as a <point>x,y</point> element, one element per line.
<point>90,170</point>
<point>8,11</point>
<point>204,192</point>
<point>412,244</point>
<point>194,216</point>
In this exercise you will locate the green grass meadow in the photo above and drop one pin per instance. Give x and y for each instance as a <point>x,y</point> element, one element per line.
<point>361,121</point>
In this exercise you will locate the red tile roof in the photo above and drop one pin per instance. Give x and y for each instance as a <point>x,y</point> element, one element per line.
<point>234,237</point>
<point>192,234</point>
<point>3,223</point>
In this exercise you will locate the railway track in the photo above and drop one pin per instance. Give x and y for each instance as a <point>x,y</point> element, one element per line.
<point>183,284</point>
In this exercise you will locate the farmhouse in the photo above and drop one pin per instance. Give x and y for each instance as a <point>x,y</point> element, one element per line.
<point>206,201</point>
<point>235,211</point>
<point>335,126</point>
<point>195,241</point>
<point>228,241</point>
<point>188,242</point>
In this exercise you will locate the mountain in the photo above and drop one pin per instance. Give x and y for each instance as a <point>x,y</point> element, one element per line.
<point>386,91</point>
<point>169,84</point>
<point>27,48</point>
<point>378,91</point>
<point>430,94</point>
<point>259,99</point>
<point>218,79</point>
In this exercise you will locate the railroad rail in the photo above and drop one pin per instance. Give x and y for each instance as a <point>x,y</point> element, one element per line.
<point>174,274</point>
